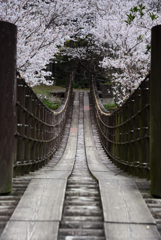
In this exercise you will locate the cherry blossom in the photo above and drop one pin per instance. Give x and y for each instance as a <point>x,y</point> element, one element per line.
<point>128,44</point>
<point>43,27</point>
<point>119,30</point>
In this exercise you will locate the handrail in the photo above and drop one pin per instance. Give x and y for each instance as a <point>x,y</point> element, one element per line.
<point>124,133</point>
<point>38,129</point>
<point>29,131</point>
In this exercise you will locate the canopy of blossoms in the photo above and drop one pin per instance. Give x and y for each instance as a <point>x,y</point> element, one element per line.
<point>121,29</point>
<point>126,27</point>
<point>43,27</point>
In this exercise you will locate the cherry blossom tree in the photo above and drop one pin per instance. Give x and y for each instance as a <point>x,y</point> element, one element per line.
<point>43,27</point>
<point>126,27</point>
<point>120,32</point>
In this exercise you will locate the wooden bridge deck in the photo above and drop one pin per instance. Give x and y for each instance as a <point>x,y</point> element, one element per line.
<point>39,212</point>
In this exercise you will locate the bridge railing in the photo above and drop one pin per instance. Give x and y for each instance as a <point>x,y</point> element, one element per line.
<point>38,130</point>
<point>29,131</point>
<point>124,133</point>
<point>131,135</point>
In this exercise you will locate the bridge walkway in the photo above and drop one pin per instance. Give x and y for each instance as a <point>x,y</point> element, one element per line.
<point>66,201</point>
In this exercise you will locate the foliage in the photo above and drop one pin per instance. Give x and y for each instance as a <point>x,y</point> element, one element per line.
<point>43,92</point>
<point>110,106</point>
<point>107,83</point>
<point>78,56</point>
<point>43,27</point>
<point>126,26</point>
<point>51,105</point>
<point>79,35</point>
<point>41,89</point>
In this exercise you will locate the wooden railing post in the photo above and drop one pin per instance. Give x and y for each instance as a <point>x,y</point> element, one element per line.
<point>8,38</point>
<point>155,112</point>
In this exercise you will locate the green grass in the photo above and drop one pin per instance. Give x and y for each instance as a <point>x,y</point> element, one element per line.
<point>43,92</point>
<point>51,105</point>
<point>110,106</point>
<point>107,83</point>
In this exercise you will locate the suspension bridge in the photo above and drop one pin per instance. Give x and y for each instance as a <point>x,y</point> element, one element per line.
<point>79,172</point>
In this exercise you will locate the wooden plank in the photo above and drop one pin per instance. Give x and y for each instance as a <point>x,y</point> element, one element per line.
<point>123,203</point>
<point>71,145</point>
<point>86,99</point>
<point>67,161</point>
<point>89,142</point>
<point>94,162</point>
<point>42,201</point>
<point>51,174</point>
<point>131,232</point>
<point>111,175</point>
<point>93,159</point>
<point>86,108</point>
<point>66,165</point>
<point>70,149</point>
<point>31,230</point>
<point>69,153</point>
<point>74,123</point>
<point>74,130</point>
